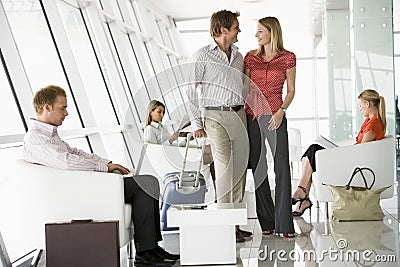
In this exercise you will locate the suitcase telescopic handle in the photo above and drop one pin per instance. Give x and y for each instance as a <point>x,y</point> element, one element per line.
<point>196,182</point>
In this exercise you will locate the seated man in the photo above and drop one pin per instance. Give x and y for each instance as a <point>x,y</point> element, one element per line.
<point>42,145</point>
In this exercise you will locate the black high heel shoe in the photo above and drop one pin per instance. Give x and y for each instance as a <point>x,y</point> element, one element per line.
<point>295,200</point>
<point>299,213</point>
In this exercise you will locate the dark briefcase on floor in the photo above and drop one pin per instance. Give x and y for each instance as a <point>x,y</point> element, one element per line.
<point>82,243</point>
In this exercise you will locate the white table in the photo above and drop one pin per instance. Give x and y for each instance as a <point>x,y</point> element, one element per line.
<point>207,236</point>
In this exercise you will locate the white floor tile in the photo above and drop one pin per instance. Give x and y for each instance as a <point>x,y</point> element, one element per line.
<point>315,235</point>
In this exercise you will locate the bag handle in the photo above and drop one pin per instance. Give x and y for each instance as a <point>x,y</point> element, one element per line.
<point>360,170</point>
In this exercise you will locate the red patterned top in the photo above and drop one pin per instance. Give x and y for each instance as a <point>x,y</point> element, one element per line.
<point>373,124</point>
<point>268,77</point>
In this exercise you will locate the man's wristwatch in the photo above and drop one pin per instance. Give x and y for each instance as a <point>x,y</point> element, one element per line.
<point>283,109</point>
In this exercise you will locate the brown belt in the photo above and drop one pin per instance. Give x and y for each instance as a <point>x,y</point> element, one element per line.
<point>222,108</point>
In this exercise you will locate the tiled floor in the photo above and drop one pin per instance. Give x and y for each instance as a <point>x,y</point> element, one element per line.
<point>317,242</point>
<point>321,239</point>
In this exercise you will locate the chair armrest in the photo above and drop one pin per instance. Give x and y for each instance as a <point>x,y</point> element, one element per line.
<point>32,195</point>
<point>162,159</point>
<point>335,166</point>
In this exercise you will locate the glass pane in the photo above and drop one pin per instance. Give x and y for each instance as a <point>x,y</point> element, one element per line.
<point>115,147</point>
<point>134,14</point>
<point>161,32</point>
<point>38,53</point>
<point>196,24</point>
<point>397,77</point>
<point>147,64</point>
<point>118,80</point>
<point>396,42</point>
<point>111,7</point>
<point>302,103</point>
<point>195,40</point>
<point>306,128</point>
<point>11,119</point>
<point>88,67</point>
<point>132,51</point>
<point>321,93</point>
<point>80,143</point>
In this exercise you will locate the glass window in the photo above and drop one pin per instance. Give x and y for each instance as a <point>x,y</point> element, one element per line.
<point>133,11</point>
<point>88,65</point>
<point>80,143</point>
<point>38,53</point>
<point>162,33</point>
<point>396,16</point>
<point>111,7</point>
<point>306,128</point>
<point>147,64</point>
<point>195,40</point>
<point>115,147</point>
<point>117,66</point>
<point>301,105</point>
<point>131,51</point>
<point>397,77</point>
<point>11,119</point>
<point>396,43</point>
<point>321,79</point>
<point>171,39</point>
<point>195,33</point>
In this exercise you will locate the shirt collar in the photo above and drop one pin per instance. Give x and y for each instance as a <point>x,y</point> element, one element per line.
<point>213,45</point>
<point>156,124</point>
<point>46,128</point>
<point>368,119</point>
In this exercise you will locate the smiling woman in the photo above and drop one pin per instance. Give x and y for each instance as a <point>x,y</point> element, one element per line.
<point>269,67</point>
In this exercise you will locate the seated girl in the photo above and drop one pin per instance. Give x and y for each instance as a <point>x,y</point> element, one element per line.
<point>373,107</point>
<point>154,131</point>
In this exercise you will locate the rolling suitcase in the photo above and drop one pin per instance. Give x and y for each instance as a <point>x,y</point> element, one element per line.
<point>182,187</point>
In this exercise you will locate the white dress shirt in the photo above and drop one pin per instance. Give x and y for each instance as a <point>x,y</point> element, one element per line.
<point>42,145</point>
<point>155,133</point>
<point>219,79</point>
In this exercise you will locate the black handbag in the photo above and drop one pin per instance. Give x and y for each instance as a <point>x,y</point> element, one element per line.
<point>82,243</point>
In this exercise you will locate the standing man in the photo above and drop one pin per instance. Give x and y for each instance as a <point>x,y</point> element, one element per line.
<point>217,88</point>
<point>42,145</point>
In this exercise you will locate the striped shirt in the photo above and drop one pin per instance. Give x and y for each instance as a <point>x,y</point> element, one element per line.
<point>42,145</point>
<point>219,80</point>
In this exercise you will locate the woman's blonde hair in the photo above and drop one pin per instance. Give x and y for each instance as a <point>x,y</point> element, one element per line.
<point>274,27</point>
<point>378,101</point>
<point>151,107</point>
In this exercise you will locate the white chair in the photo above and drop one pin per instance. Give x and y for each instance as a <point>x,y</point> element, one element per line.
<point>32,195</point>
<point>335,166</point>
<point>295,149</point>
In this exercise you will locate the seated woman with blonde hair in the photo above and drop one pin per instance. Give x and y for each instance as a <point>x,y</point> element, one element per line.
<point>373,108</point>
<point>154,131</point>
